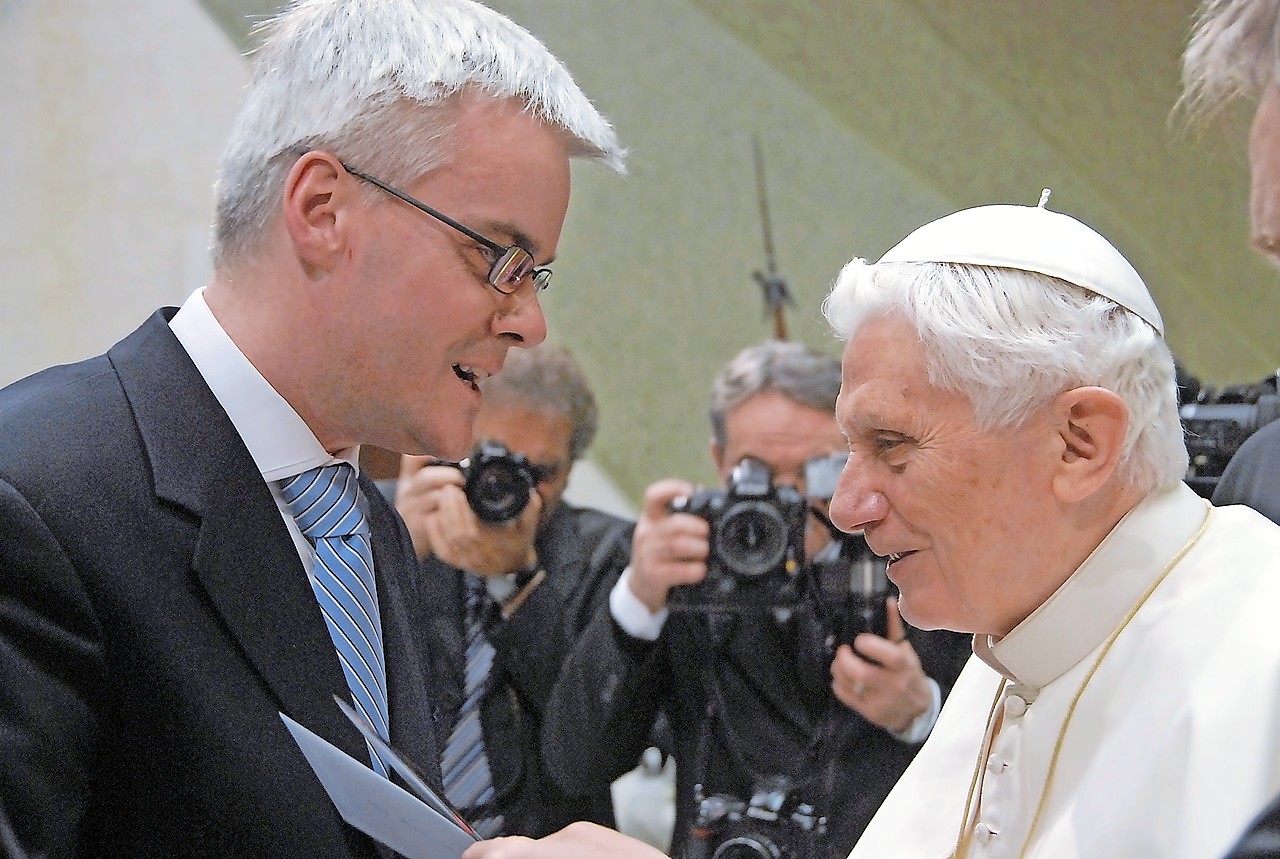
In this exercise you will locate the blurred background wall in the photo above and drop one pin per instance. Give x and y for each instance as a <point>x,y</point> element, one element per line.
<point>872,117</point>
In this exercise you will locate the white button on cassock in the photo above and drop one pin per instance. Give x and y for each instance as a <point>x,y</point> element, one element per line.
<point>1014,706</point>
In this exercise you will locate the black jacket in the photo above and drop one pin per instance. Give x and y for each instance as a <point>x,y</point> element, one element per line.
<point>155,617</point>
<point>584,552</point>
<point>758,690</point>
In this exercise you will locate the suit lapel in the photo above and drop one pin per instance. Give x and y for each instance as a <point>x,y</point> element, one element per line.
<point>245,558</point>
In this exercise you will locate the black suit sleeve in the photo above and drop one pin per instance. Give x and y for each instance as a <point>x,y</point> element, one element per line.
<point>584,553</point>
<point>603,707</point>
<point>50,661</point>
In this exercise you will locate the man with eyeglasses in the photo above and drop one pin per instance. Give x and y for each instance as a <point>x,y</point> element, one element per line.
<point>751,697</point>
<point>534,579</point>
<point>186,551</point>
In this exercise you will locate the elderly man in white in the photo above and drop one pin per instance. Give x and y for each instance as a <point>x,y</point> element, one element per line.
<point>1015,449</point>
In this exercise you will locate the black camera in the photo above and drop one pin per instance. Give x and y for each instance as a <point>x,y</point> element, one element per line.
<point>757,543</point>
<point>498,482</point>
<point>773,824</point>
<point>854,585</point>
<point>1217,422</point>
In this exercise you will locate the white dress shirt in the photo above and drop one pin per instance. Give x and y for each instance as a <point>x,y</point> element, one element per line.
<point>280,443</point>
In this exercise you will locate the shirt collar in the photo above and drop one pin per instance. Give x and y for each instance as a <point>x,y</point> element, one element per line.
<point>1090,604</point>
<point>279,441</point>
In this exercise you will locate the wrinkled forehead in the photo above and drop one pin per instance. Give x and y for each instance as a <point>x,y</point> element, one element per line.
<point>884,366</point>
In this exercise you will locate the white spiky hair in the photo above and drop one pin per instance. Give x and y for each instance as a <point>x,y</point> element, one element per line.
<point>341,72</point>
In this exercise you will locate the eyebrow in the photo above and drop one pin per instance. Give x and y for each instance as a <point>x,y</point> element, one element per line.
<point>518,237</point>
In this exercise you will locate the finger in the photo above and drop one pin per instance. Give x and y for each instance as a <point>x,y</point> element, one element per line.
<point>881,651</point>
<point>686,547</point>
<point>658,497</point>
<point>411,464</point>
<point>897,627</point>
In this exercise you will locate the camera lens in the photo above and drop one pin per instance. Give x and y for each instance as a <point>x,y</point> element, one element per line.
<point>498,489</point>
<point>747,847</point>
<point>752,538</point>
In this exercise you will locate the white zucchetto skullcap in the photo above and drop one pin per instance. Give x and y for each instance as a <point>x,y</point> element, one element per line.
<point>1031,238</point>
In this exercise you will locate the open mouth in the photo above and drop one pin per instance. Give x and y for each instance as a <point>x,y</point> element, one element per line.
<point>471,375</point>
<point>894,557</point>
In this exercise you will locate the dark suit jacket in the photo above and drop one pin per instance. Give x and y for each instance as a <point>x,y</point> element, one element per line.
<point>583,552</point>
<point>155,616</point>
<point>768,684</point>
<point>1252,477</point>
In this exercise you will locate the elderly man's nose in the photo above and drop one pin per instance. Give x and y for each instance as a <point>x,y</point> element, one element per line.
<point>854,510</point>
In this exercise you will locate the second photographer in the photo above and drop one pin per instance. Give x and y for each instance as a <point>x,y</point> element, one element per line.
<point>512,574</point>
<point>721,622</point>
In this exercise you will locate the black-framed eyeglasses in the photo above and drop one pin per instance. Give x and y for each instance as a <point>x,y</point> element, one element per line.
<point>512,263</point>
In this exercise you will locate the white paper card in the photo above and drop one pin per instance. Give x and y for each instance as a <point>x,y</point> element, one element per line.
<point>376,806</point>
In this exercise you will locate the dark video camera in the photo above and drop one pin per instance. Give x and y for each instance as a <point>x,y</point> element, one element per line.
<point>1216,423</point>
<point>771,825</point>
<point>757,543</point>
<point>498,482</point>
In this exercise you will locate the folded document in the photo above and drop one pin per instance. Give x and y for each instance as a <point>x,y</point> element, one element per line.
<point>380,808</point>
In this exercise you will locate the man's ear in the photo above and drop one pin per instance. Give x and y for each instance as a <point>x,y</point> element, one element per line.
<point>1091,424</point>
<point>314,215</point>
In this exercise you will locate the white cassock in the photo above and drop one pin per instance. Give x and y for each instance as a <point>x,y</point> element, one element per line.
<point>1136,713</point>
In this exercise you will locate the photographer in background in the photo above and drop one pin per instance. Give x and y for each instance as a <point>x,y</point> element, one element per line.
<point>525,573</point>
<point>748,693</point>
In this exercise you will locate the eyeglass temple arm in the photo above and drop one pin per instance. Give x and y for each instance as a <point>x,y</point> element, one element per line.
<point>418,204</point>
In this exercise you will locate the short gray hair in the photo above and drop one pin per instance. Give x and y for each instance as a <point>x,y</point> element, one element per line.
<point>1010,341</point>
<point>1234,51</point>
<point>791,369</point>
<point>377,81</point>
<point>546,378</point>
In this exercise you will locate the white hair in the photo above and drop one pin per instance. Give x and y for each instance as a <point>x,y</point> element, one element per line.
<point>1010,341</point>
<point>1234,51</point>
<point>377,81</point>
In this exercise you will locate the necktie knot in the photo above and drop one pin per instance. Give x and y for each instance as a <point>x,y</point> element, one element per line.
<point>325,502</point>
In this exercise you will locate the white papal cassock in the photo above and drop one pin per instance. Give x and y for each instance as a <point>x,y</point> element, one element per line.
<point>1136,714</point>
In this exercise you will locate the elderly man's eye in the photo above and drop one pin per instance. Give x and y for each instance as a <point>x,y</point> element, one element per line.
<point>887,443</point>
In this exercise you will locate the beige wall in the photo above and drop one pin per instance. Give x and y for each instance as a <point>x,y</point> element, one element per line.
<point>115,115</point>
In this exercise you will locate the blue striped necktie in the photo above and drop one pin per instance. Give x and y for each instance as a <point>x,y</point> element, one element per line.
<point>468,783</point>
<point>325,502</point>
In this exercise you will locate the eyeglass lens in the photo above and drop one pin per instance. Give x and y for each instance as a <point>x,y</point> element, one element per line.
<point>515,265</point>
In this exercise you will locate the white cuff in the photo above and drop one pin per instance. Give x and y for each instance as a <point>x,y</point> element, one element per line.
<point>634,616</point>
<point>919,729</point>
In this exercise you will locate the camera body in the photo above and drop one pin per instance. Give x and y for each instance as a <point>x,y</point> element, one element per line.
<point>498,482</point>
<point>772,824</point>
<point>1217,423</point>
<point>757,543</point>
<point>854,585</point>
